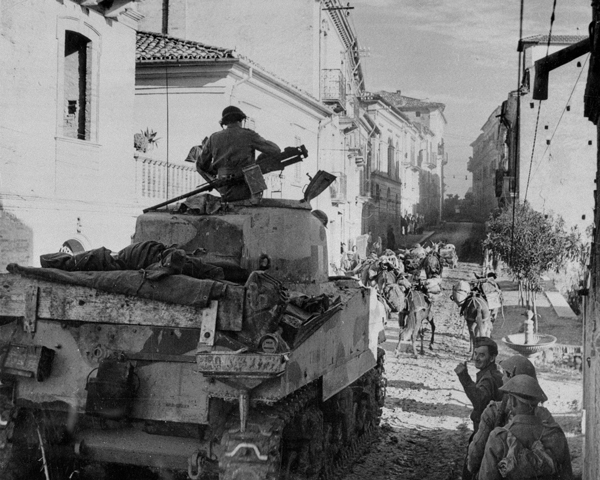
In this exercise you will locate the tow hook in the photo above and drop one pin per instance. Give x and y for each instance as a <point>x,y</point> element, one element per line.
<point>252,446</point>
<point>195,465</point>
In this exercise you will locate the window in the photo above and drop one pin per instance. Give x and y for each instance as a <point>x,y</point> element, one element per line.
<point>417,113</point>
<point>77,83</point>
<point>78,76</point>
<point>391,157</point>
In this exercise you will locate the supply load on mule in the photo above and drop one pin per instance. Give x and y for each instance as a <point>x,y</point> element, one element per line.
<point>214,345</point>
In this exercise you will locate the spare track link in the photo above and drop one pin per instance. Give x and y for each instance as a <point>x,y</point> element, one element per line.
<point>259,449</point>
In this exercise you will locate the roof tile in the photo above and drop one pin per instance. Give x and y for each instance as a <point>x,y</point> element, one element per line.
<point>153,47</point>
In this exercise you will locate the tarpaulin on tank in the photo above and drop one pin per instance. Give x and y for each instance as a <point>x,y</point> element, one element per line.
<point>179,289</point>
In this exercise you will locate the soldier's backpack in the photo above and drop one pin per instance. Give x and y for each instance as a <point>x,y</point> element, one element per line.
<point>524,463</point>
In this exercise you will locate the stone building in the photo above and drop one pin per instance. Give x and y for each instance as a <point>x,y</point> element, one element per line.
<point>488,164</point>
<point>399,152</point>
<point>67,105</point>
<point>430,119</point>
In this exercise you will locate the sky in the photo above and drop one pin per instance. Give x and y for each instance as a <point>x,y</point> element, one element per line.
<point>462,53</point>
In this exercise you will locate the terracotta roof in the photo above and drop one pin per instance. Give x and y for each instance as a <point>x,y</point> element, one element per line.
<point>153,47</point>
<point>403,102</point>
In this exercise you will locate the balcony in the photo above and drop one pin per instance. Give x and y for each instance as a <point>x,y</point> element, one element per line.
<point>151,179</point>
<point>431,160</point>
<point>338,188</point>
<point>333,89</point>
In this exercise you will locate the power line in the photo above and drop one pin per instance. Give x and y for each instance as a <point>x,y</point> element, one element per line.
<point>566,104</point>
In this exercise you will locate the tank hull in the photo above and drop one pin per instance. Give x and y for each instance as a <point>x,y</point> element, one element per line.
<point>278,371</point>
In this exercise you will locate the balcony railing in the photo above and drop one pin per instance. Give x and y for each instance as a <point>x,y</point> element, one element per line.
<point>151,179</point>
<point>333,87</point>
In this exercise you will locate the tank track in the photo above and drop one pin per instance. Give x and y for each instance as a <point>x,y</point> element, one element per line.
<point>291,440</point>
<point>7,468</point>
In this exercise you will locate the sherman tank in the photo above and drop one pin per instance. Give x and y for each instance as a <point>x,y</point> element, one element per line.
<point>267,369</point>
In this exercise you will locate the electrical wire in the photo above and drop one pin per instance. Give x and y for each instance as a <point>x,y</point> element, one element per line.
<point>566,105</point>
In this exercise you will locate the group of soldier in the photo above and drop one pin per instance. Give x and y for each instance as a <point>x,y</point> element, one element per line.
<point>514,437</point>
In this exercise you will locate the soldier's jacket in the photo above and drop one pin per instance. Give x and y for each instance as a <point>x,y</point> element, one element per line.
<point>482,391</point>
<point>489,421</point>
<point>228,151</point>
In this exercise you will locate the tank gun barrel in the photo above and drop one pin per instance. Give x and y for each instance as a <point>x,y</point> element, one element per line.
<point>267,164</point>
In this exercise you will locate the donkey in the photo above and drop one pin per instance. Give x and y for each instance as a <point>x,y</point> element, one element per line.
<point>432,264</point>
<point>412,320</point>
<point>478,317</point>
<point>475,311</point>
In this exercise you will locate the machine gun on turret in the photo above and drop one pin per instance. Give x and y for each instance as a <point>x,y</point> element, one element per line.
<point>252,175</point>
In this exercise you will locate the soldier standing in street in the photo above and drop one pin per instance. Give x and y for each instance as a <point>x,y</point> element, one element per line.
<point>485,388</point>
<point>496,414</point>
<point>488,378</point>
<point>527,447</point>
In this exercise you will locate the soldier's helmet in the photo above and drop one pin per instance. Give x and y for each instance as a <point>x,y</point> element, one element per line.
<point>518,365</point>
<point>526,388</point>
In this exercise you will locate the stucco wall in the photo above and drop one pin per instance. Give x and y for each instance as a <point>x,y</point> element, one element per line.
<point>49,182</point>
<point>561,178</point>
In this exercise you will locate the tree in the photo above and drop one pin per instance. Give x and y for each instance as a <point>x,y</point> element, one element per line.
<point>451,205</point>
<point>531,244</point>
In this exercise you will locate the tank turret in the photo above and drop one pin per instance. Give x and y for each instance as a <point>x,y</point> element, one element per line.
<point>278,236</point>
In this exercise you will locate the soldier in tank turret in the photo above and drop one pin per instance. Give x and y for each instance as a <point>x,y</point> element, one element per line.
<point>225,153</point>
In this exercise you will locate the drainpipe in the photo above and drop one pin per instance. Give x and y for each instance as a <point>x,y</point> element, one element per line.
<point>239,82</point>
